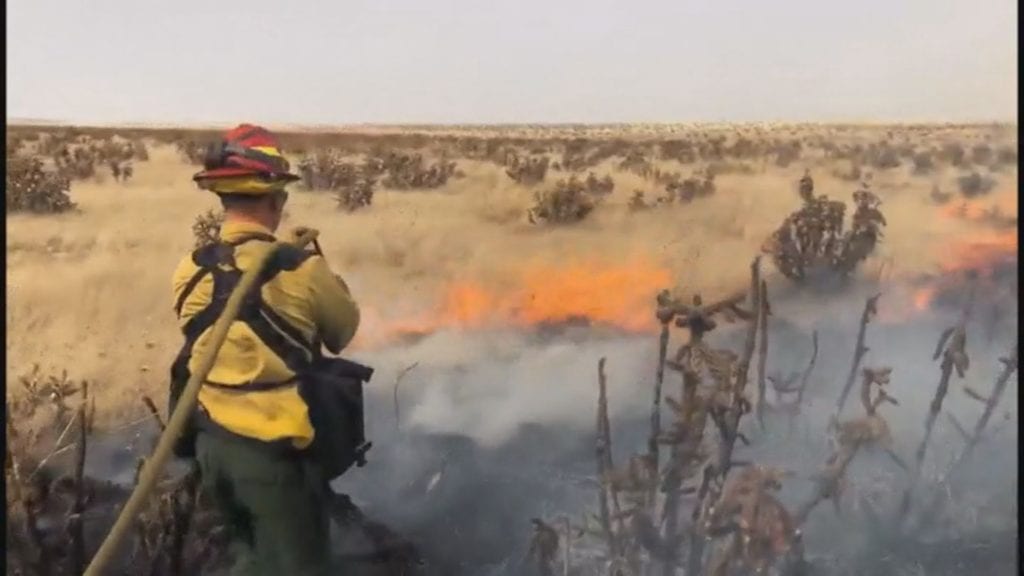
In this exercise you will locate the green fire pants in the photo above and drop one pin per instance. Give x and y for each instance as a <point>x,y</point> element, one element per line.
<point>275,507</point>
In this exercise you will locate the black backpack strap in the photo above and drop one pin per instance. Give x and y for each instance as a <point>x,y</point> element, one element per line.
<point>250,386</point>
<point>211,255</point>
<point>274,331</point>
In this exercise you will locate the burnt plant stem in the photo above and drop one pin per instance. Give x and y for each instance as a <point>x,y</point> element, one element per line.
<point>954,357</point>
<point>75,517</point>
<point>762,351</point>
<point>601,453</point>
<point>652,443</point>
<point>151,406</point>
<point>736,411</point>
<point>827,486</point>
<point>860,351</point>
<point>394,395</point>
<point>672,485</point>
<point>695,556</point>
<point>609,464</point>
<point>810,368</point>
<point>1010,365</point>
<point>729,422</point>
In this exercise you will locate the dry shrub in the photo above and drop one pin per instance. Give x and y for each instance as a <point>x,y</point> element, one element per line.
<point>637,202</point>
<point>786,154</point>
<point>923,163</point>
<point>813,237</point>
<point>692,188</point>
<point>192,152</point>
<point>953,154</point>
<point>974,184</point>
<point>139,151</point>
<point>566,203</point>
<point>682,151</point>
<point>58,516</point>
<point>527,171</point>
<point>726,167</point>
<point>32,189</point>
<point>636,162</point>
<point>1006,155</point>
<point>327,171</point>
<point>599,186</point>
<point>206,228</point>
<point>883,156</point>
<point>357,194</point>
<point>982,154</point>
<point>660,178</point>
<point>410,172</point>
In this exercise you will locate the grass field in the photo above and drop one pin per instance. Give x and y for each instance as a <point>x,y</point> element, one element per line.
<point>90,290</point>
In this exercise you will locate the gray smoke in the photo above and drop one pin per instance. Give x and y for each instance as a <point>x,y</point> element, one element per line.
<point>497,428</point>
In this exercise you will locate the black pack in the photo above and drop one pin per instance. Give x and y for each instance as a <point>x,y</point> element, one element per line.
<point>333,391</point>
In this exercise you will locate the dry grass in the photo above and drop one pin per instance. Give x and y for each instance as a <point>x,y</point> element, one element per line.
<point>91,289</point>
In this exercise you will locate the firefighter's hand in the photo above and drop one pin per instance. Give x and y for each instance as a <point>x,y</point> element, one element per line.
<point>298,231</point>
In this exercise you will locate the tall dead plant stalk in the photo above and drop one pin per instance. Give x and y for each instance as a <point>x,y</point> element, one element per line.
<point>764,310</point>
<point>952,349</point>
<point>870,310</point>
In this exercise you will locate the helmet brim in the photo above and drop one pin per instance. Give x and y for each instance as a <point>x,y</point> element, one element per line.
<point>218,173</point>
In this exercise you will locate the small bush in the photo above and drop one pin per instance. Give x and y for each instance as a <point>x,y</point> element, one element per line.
<point>357,194</point>
<point>974,184</point>
<point>787,154</point>
<point>32,189</point>
<point>953,154</point>
<point>692,188</point>
<point>982,154</point>
<point>527,171</point>
<point>923,163</point>
<point>884,158</point>
<point>206,228</point>
<point>599,186</point>
<point>566,203</point>
<point>1006,155</point>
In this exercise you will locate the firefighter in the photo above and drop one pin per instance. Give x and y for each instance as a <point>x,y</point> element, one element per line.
<point>254,425</point>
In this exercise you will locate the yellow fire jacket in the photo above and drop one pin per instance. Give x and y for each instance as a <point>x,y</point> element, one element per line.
<point>313,302</point>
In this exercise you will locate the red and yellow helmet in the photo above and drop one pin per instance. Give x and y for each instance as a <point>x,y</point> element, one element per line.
<point>246,161</point>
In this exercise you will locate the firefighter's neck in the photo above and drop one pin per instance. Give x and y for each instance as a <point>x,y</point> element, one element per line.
<point>261,217</point>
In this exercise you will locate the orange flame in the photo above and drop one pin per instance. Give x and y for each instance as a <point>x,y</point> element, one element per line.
<point>923,297</point>
<point>982,252</point>
<point>981,209</point>
<point>966,210</point>
<point>617,296</point>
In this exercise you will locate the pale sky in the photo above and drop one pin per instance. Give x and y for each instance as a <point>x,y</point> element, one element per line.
<point>543,61</point>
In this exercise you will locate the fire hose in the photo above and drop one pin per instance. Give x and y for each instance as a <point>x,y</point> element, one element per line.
<point>186,404</point>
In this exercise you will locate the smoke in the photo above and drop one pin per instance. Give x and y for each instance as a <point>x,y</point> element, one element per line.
<point>498,427</point>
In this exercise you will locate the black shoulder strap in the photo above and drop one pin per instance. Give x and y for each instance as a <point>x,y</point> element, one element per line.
<point>211,255</point>
<point>276,333</point>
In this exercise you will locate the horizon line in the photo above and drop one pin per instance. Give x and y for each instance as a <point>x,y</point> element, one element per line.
<point>346,126</point>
